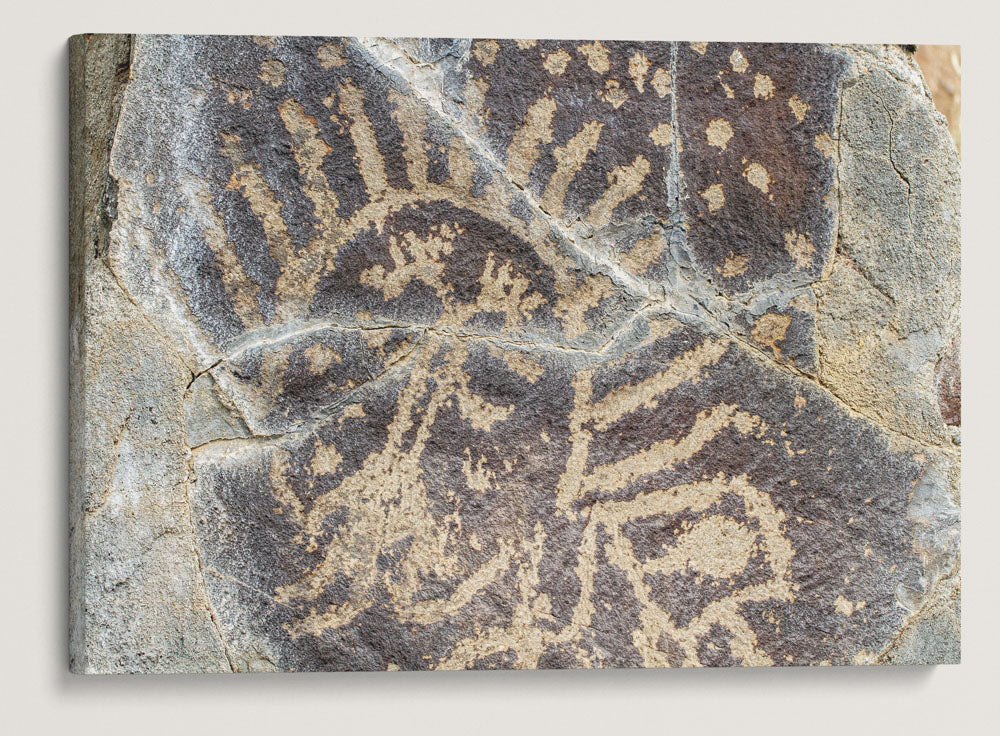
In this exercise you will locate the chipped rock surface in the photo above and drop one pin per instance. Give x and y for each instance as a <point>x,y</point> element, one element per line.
<point>444,354</point>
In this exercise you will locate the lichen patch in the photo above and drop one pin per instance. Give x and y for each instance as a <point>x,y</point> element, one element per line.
<point>826,145</point>
<point>800,248</point>
<point>798,108</point>
<point>555,63</point>
<point>718,133</point>
<point>662,135</point>
<point>638,68</point>
<point>738,61</point>
<point>715,196</point>
<point>763,87</point>
<point>661,82</point>
<point>757,175</point>
<point>596,54</point>
<point>272,72</point>
<point>770,329</point>
<point>734,265</point>
<point>486,51</point>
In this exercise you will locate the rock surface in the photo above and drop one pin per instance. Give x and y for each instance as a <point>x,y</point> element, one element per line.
<point>439,353</point>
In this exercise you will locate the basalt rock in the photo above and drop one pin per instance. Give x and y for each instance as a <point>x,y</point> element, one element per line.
<point>438,353</point>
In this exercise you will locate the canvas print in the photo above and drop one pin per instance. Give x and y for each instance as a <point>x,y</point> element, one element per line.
<point>413,354</point>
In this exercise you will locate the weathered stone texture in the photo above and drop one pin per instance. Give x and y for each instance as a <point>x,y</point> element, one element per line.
<point>439,353</point>
<point>137,598</point>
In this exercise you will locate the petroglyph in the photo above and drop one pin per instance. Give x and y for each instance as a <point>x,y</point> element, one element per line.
<point>510,354</point>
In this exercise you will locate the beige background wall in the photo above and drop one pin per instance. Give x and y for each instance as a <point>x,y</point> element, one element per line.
<point>942,68</point>
<point>40,697</point>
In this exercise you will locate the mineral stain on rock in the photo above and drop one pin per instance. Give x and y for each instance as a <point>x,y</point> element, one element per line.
<point>514,354</point>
